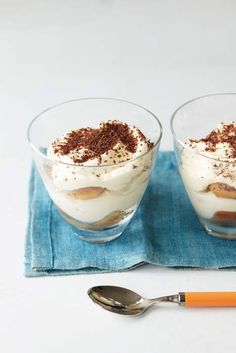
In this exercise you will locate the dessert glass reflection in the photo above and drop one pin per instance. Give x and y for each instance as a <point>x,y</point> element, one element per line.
<point>95,157</point>
<point>204,131</point>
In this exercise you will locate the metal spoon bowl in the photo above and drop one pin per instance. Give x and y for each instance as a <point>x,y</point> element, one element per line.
<point>124,301</point>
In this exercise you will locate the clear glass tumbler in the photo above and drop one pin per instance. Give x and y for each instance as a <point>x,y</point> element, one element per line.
<point>99,209</point>
<point>201,174</point>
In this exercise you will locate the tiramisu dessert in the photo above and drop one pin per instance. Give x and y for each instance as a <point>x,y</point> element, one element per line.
<point>98,175</point>
<point>208,169</point>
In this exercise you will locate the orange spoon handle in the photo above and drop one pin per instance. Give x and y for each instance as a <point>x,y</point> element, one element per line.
<point>210,299</point>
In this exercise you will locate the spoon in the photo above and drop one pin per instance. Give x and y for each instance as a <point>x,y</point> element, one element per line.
<point>126,302</point>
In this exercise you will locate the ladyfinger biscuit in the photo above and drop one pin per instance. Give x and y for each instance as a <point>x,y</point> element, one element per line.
<point>88,193</point>
<point>222,190</point>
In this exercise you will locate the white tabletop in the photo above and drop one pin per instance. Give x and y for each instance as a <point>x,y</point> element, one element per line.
<point>156,53</point>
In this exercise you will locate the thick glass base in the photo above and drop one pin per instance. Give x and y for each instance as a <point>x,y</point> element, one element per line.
<point>101,236</point>
<point>95,233</point>
<point>227,231</point>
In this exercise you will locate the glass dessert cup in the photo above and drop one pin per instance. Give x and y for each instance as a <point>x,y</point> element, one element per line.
<point>98,201</point>
<point>210,182</point>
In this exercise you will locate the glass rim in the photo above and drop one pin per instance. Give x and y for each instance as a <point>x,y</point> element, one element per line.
<point>35,149</point>
<point>182,143</point>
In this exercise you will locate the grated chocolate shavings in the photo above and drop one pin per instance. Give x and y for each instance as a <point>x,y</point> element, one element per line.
<point>226,134</point>
<point>96,142</point>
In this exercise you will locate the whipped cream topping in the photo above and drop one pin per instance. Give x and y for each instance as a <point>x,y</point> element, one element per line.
<point>116,143</point>
<point>220,166</point>
<point>210,160</point>
<point>219,144</point>
<point>113,142</point>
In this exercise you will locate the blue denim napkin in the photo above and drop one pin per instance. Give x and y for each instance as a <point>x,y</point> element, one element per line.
<point>165,231</point>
